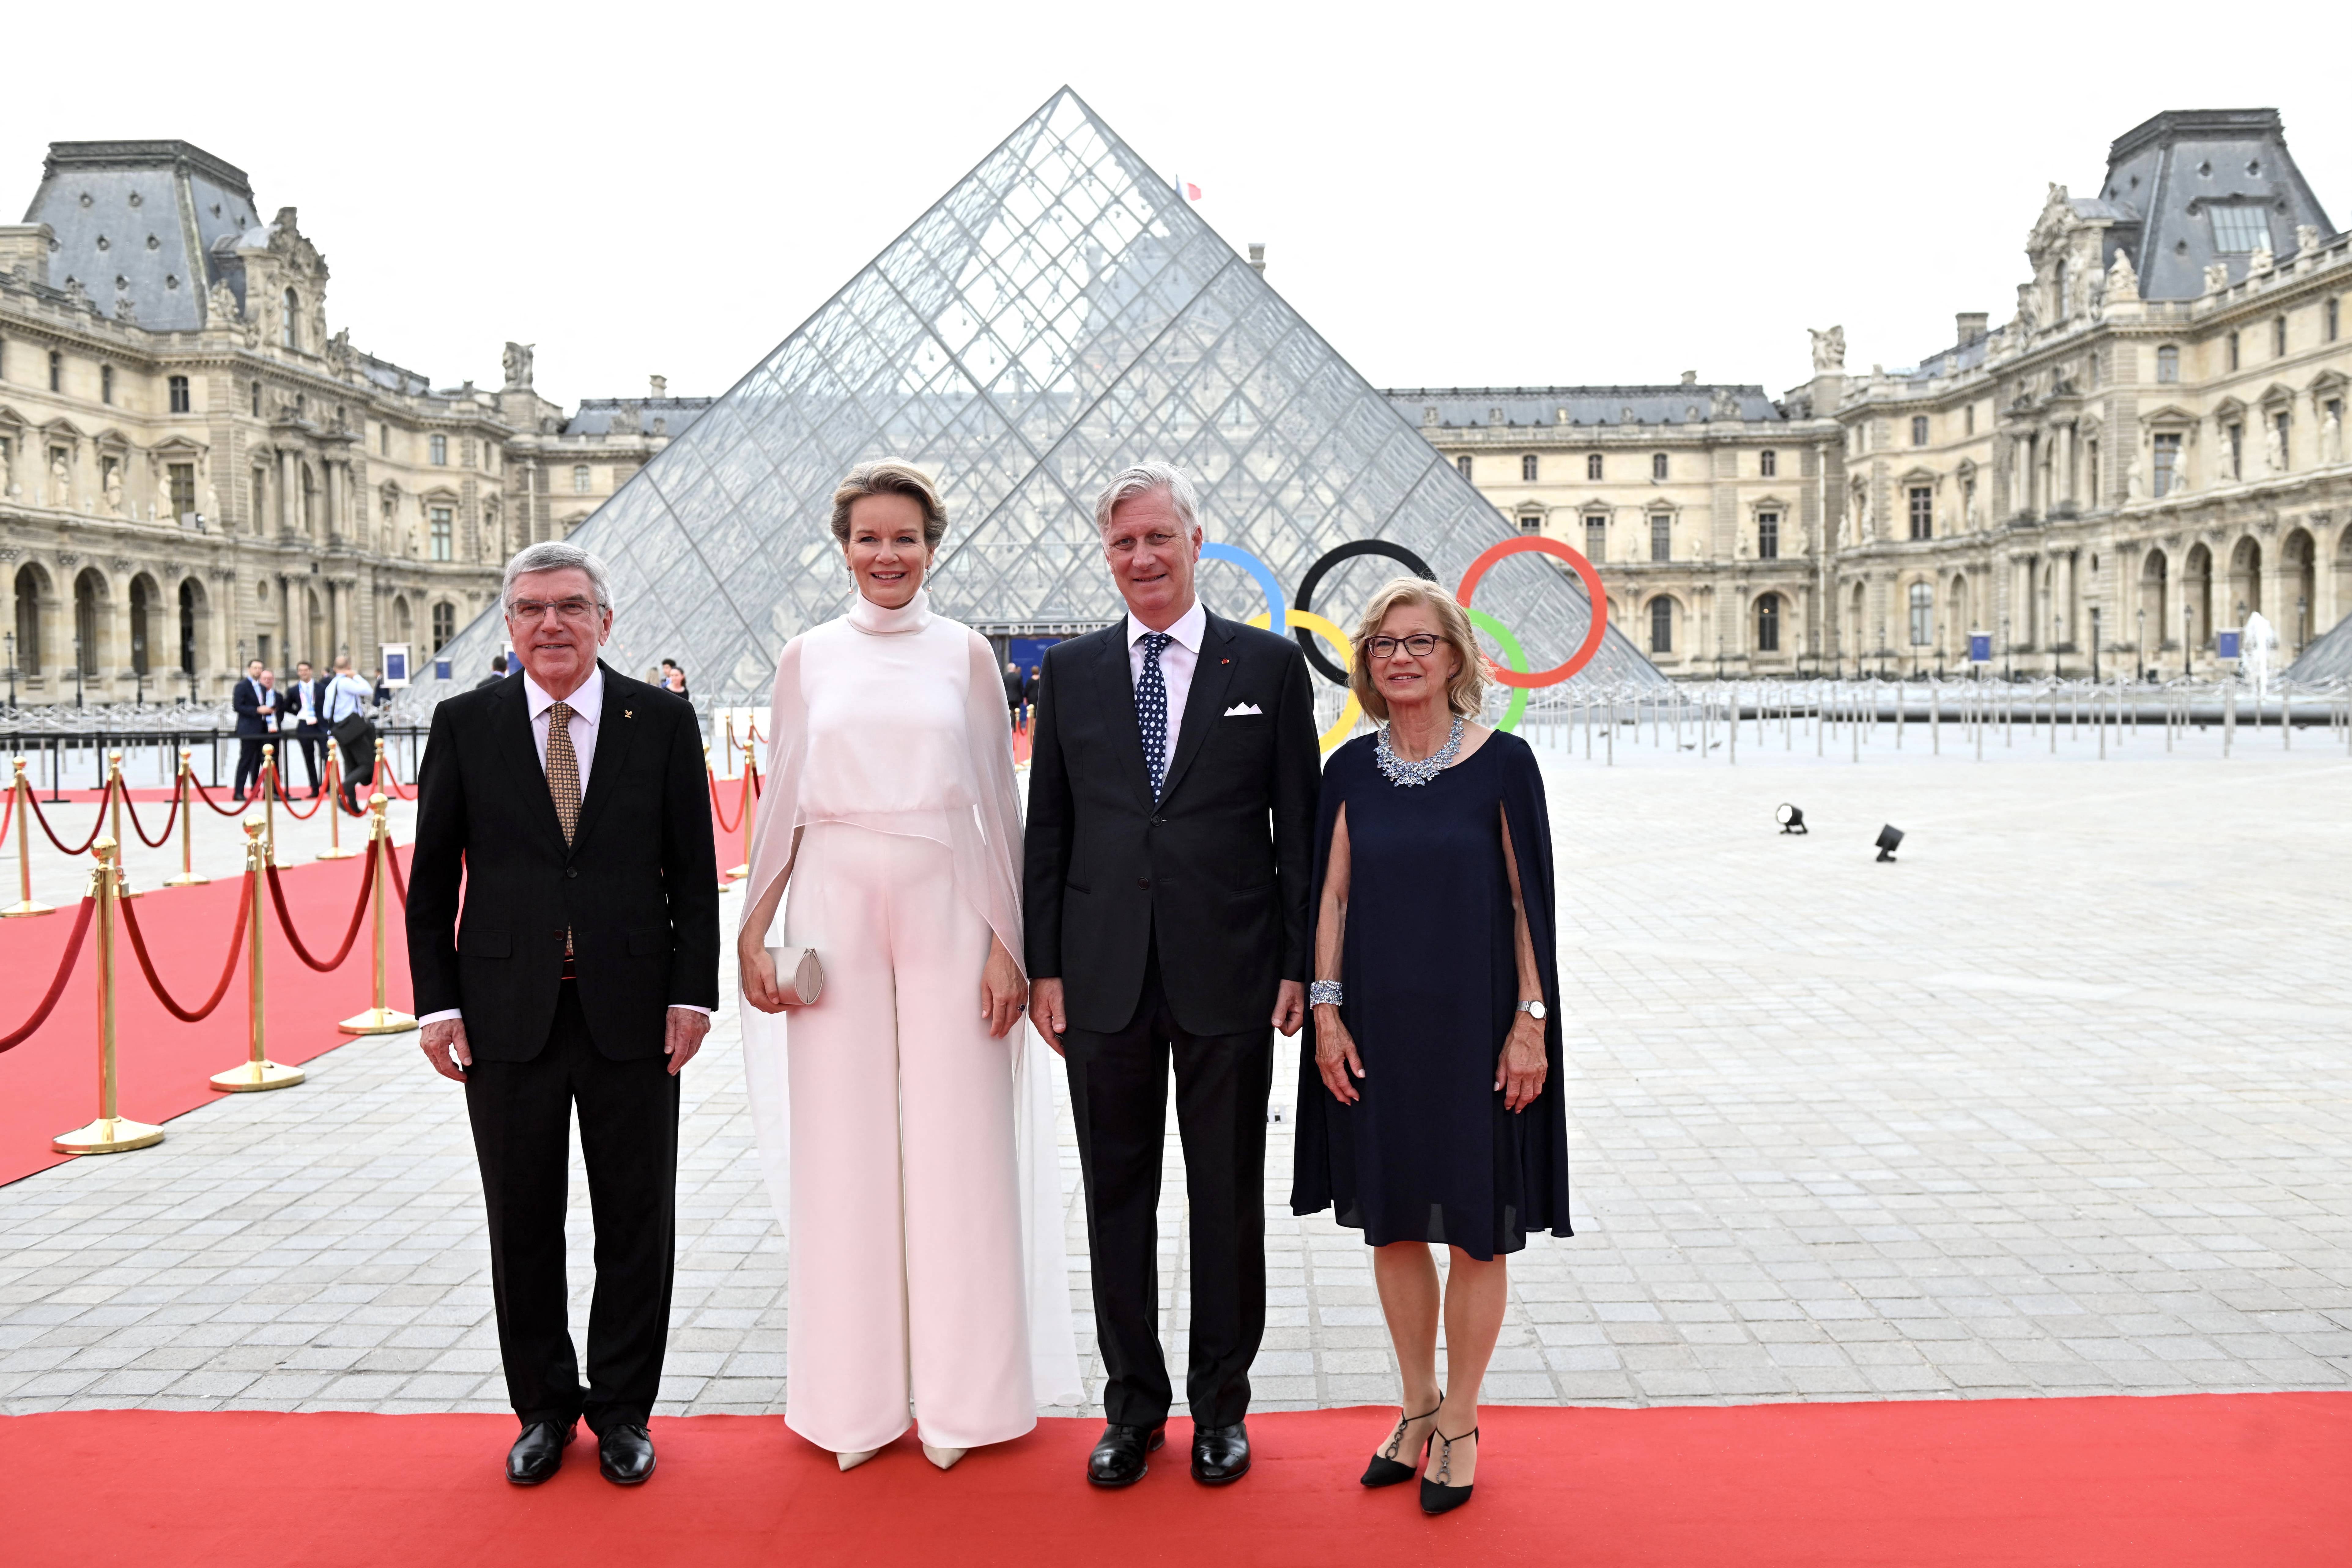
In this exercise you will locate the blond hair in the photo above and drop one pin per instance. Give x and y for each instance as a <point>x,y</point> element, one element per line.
<point>1465,692</point>
<point>891,478</point>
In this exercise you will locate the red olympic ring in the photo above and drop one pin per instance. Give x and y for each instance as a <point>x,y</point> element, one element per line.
<point>1593,592</point>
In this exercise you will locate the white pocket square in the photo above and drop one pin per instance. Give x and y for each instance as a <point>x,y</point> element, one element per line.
<point>1239,708</point>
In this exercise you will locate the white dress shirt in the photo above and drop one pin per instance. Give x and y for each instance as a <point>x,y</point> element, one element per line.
<point>587,709</point>
<point>1177,662</point>
<point>346,695</point>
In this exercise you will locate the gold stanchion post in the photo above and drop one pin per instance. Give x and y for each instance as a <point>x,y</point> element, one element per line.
<point>115,794</point>
<point>751,804</point>
<point>269,802</point>
<point>24,904</point>
<point>109,1134</point>
<point>187,809</point>
<point>378,1019</point>
<point>256,1072</point>
<point>334,803</point>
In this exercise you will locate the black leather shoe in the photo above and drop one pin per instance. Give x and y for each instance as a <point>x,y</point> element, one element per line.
<point>539,1452</point>
<point>1220,1454</point>
<point>625,1456</point>
<point>1120,1457</point>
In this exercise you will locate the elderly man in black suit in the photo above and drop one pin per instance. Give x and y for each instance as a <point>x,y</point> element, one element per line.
<point>1171,820</point>
<point>580,974</point>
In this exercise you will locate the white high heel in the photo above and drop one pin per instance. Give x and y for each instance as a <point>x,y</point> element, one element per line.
<point>851,1461</point>
<point>945,1458</point>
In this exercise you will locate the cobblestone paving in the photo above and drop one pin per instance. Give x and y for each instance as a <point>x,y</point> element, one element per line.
<point>2059,1103</point>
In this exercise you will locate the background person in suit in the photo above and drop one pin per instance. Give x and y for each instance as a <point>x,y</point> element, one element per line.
<point>574,802</point>
<point>1171,816</point>
<point>257,719</point>
<point>498,672</point>
<point>306,705</point>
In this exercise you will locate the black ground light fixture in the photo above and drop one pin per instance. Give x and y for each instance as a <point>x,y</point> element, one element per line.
<point>1790,819</point>
<point>1889,837</point>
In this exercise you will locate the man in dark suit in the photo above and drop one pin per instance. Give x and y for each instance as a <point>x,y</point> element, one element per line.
<point>257,722</point>
<point>306,707</point>
<point>1171,816</point>
<point>581,972</point>
<point>498,672</point>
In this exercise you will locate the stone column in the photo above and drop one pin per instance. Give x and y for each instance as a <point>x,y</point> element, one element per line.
<point>334,504</point>
<point>288,516</point>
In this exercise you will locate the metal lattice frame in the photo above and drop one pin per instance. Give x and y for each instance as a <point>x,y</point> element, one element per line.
<point>1058,315</point>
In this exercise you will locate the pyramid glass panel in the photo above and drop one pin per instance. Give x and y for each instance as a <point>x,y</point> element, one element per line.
<point>1058,315</point>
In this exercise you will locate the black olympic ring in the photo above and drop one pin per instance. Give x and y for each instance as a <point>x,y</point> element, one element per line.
<point>1347,551</point>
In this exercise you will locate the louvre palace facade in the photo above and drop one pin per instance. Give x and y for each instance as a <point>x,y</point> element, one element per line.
<point>2150,449</point>
<point>197,467</point>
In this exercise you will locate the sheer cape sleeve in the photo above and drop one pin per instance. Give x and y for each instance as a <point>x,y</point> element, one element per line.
<point>982,831</point>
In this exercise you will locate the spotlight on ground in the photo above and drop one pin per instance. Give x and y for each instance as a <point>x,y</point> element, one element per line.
<point>1790,819</point>
<point>1889,837</point>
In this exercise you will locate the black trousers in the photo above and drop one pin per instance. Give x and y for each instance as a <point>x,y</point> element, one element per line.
<point>1118,1092</point>
<point>521,1114</point>
<point>248,764</point>
<point>314,760</point>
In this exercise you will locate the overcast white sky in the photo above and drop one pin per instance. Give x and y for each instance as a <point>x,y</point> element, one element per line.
<point>1453,195</point>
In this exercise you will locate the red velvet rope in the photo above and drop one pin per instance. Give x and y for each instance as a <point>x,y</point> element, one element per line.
<point>81,848</point>
<point>229,968</point>
<point>8,813</point>
<point>286,920</point>
<point>239,809</point>
<point>58,987</point>
<point>286,802</point>
<point>159,840</point>
<point>387,782</point>
<point>391,863</point>
<point>718,812</point>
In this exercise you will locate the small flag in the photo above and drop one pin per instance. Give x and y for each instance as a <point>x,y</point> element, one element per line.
<point>1191,191</point>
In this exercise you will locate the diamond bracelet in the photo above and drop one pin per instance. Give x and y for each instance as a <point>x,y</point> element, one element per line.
<point>1324,994</point>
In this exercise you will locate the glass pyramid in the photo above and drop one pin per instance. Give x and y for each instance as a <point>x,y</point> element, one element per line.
<point>1059,314</point>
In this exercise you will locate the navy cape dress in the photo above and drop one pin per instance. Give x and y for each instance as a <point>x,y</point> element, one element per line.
<point>1429,1154</point>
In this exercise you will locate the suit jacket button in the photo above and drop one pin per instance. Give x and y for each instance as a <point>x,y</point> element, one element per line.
<point>1143,881</point>
<point>572,871</point>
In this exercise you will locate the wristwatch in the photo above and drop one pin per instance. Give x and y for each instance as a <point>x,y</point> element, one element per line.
<point>1535,1010</point>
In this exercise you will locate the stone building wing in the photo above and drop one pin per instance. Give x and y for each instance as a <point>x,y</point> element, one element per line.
<point>1059,314</point>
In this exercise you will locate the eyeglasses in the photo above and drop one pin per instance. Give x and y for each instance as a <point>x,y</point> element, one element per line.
<point>1421,644</point>
<point>568,609</point>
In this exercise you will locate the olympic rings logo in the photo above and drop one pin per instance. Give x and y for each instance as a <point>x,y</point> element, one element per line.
<point>1512,671</point>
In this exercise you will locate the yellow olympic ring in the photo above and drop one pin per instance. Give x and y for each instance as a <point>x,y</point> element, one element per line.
<point>1307,620</point>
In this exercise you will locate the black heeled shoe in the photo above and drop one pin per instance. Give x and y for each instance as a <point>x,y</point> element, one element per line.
<point>1386,1470</point>
<point>1437,1497</point>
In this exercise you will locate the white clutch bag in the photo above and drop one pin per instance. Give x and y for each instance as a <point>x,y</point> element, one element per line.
<point>799,975</point>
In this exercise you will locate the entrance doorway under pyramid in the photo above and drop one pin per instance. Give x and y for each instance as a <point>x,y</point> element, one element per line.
<point>1059,314</point>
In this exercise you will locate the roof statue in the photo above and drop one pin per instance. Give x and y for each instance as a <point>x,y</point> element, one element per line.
<point>1058,315</point>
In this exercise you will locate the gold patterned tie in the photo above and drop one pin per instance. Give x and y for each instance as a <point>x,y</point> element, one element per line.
<point>563,769</point>
<point>563,785</point>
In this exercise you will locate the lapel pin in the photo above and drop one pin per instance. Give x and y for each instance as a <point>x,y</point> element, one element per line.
<point>1224,661</point>
<point>628,712</point>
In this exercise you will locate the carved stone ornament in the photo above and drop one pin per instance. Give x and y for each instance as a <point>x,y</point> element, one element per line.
<point>2261,261</point>
<point>2217,277</point>
<point>2306,239</point>
<point>1829,350</point>
<point>122,564</point>
<point>2123,282</point>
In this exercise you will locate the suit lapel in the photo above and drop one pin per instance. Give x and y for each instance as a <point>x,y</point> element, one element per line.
<point>616,730</point>
<point>1211,673</point>
<point>519,747</point>
<point>1116,682</point>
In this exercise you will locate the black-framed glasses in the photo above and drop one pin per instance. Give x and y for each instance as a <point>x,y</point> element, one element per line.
<point>1421,644</point>
<point>568,609</point>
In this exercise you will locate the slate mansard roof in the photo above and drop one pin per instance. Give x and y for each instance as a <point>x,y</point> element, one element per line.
<point>2168,179</point>
<point>144,221</point>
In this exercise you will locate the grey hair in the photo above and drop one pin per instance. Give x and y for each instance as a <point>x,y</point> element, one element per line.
<point>554,555</point>
<point>1141,480</point>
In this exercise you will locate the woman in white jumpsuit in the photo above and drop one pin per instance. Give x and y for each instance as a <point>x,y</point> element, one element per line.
<point>906,1119</point>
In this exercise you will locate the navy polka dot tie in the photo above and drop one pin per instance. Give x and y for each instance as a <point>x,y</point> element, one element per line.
<point>1151,710</point>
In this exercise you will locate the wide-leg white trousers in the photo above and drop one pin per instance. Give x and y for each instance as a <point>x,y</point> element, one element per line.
<point>906,1227</point>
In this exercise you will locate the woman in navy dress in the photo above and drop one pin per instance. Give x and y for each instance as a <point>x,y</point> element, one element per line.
<point>1430,1111</point>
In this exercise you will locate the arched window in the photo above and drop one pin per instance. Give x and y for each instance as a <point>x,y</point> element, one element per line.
<point>1923,614</point>
<point>1768,463</point>
<point>1658,466</point>
<point>1592,466</point>
<point>87,621</point>
<point>1527,467</point>
<point>188,626</point>
<point>290,331</point>
<point>1463,464</point>
<point>1768,624</point>
<point>28,620</point>
<point>444,624</point>
<point>2168,363</point>
<point>142,605</point>
<point>580,479</point>
<point>1662,624</point>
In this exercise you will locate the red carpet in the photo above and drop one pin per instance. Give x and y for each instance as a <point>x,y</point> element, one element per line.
<point>2136,1483</point>
<point>49,1085</point>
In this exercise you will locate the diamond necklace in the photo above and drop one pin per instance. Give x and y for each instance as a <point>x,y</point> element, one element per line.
<point>1405,775</point>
